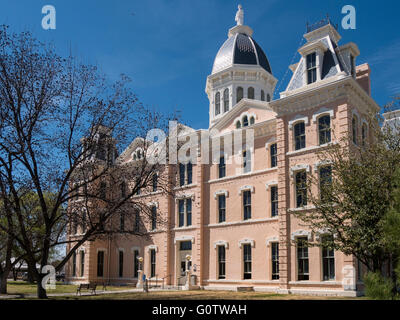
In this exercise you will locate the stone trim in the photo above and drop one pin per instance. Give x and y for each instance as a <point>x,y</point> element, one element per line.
<point>321,163</point>
<point>152,247</point>
<point>271,183</point>
<point>184,238</point>
<point>221,192</point>
<point>301,233</point>
<point>298,118</point>
<point>299,167</point>
<point>221,243</point>
<point>245,188</point>
<point>321,112</point>
<point>246,241</point>
<point>271,239</point>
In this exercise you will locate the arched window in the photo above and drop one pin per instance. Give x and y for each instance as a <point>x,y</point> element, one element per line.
<point>226,100</point>
<point>268,97</point>
<point>251,120</point>
<point>217,104</point>
<point>238,124</point>
<point>324,129</point>
<point>299,136</point>
<point>364,134</point>
<point>250,93</point>
<point>239,94</point>
<point>354,129</point>
<point>262,95</point>
<point>245,121</point>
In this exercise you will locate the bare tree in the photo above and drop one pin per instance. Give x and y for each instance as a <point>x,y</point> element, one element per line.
<point>63,125</point>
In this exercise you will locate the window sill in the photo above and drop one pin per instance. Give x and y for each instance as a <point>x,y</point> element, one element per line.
<point>184,228</point>
<point>186,186</point>
<point>249,221</point>
<point>311,148</point>
<point>242,175</point>
<point>301,209</point>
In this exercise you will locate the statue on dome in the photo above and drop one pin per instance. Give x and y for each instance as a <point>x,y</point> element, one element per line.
<point>239,18</point>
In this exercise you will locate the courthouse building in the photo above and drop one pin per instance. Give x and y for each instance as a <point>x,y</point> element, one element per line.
<point>235,219</point>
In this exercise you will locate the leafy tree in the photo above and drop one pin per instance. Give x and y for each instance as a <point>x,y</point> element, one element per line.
<point>61,126</point>
<point>352,204</point>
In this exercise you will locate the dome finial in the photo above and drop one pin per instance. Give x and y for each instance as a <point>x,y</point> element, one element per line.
<point>239,18</point>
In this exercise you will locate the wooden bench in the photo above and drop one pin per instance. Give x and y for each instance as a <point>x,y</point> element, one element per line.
<point>86,286</point>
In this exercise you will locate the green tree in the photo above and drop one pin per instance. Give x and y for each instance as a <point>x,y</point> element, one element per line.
<point>353,205</point>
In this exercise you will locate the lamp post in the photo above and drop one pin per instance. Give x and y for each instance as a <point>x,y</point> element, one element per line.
<point>139,283</point>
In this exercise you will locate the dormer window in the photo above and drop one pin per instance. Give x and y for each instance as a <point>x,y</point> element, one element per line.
<point>311,67</point>
<point>239,94</point>
<point>226,100</point>
<point>217,104</point>
<point>250,93</point>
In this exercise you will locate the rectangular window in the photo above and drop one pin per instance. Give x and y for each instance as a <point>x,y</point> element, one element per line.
<point>188,212</point>
<point>82,263</point>
<point>137,221</point>
<point>325,181</point>
<point>273,153</point>
<point>122,221</point>
<point>328,259</point>
<point>275,260</point>
<point>181,212</point>
<point>301,189</point>
<point>153,263</point>
<point>153,218</point>
<point>246,161</point>
<point>185,245</point>
<point>302,259</point>
<point>246,261</point>
<point>311,68</point>
<point>324,129</point>
<point>189,171</point>
<point>74,264</point>
<point>100,263</point>
<point>221,262</point>
<point>246,204</point>
<point>274,201</point>
<point>221,167</point>
<point>221,208</point>
<point>181,174</point>
<point>135,263</point>
<point>299,136</point>
<point>120,263</point>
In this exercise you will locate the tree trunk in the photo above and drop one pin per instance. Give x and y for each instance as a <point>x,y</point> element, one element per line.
<point>41,292</point>
<point>3,283</point>
<point>31,278</point>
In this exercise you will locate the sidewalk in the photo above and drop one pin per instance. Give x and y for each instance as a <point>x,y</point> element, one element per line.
<point>67,294</point>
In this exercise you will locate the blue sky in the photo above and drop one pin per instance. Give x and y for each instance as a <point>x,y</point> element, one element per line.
<point>168,47</point>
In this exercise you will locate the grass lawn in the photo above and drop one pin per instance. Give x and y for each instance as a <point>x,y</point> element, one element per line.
<point>201,295</point>
<point>22,287</point>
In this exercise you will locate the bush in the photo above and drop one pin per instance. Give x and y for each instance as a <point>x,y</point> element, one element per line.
<point>377,287</point>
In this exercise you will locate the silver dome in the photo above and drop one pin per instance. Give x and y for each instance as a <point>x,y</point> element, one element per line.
<point>240,49</point>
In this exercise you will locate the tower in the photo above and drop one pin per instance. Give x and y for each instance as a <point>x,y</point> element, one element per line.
<point>240,70</point>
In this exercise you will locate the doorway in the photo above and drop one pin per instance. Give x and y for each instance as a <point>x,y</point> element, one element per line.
<point>185,248</point>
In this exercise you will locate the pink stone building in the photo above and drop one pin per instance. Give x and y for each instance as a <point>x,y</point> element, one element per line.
<point>234,217</point>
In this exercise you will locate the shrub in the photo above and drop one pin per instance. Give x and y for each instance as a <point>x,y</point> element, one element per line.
<point>377,287</point>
